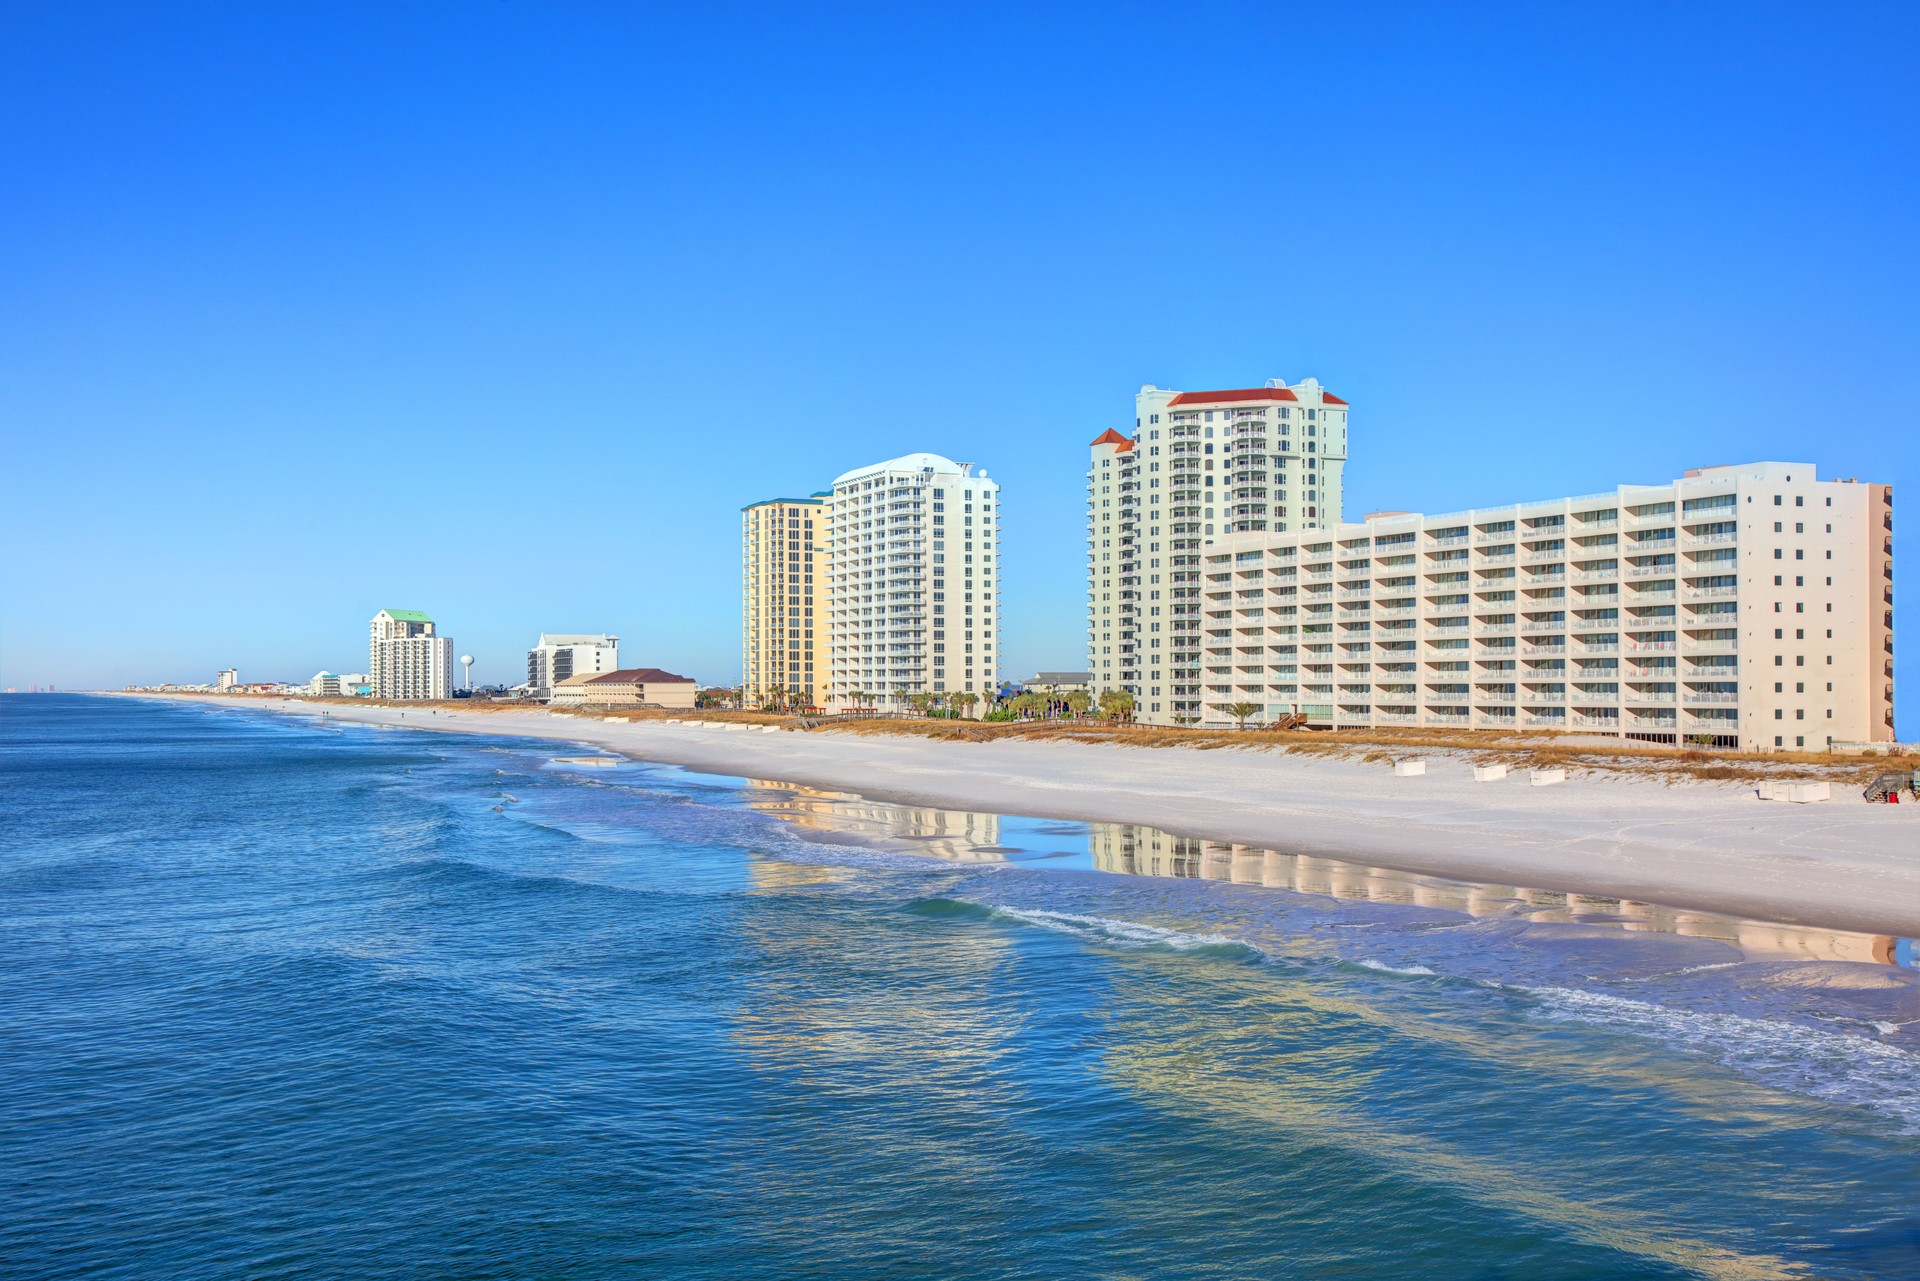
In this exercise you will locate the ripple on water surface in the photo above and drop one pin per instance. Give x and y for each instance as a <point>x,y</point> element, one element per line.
<point>314,1004</point>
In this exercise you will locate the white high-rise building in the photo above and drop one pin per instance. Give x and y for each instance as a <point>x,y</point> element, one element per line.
<point>1745,607</point>
<point>562,654</point>
<point>407,657</point>
<point>913,601</point>
<point>1201,465</point>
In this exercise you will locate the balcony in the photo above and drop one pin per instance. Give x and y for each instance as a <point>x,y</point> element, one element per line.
<point>1650,696</point>
<point>1712,593</point>
<point>1720,698</point>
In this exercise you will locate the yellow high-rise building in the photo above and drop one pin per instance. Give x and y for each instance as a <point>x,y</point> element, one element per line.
<point>782,555</point>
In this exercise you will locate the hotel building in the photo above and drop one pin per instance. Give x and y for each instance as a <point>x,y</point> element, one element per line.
<point>912,603</point>
<point>560,655</point>
<point>1746,606</point>
<point>407,657</point>
<point>1200,465</point>
<point>781,649</point>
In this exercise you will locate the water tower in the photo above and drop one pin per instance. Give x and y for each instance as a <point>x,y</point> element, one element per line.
<point>466,661</point>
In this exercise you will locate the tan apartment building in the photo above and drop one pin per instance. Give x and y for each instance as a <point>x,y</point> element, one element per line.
<point>1200,465</point>
<point>782,560</point>
<point>1745,606</point>
<point>638,687</point>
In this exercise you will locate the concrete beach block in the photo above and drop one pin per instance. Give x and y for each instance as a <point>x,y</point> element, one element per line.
<point>1546,777</point>
<point>1807,793</point>
<point>769,729</point>
<point>1489,773</point>
<point>1773,789</point>
<point>1408,769</point>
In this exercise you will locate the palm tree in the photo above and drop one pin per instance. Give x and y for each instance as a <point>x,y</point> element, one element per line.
<point>1078,701</point>
<point>1240,711</point>
<point>966,702</point>
<point>1116,704</point>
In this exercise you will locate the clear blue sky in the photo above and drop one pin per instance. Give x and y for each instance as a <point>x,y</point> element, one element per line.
<point>502,310</point>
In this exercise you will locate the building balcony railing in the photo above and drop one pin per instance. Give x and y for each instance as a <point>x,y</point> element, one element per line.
<point>1724,699</point>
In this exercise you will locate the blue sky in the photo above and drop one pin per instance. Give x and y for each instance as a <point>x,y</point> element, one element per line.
<point>502,310</point>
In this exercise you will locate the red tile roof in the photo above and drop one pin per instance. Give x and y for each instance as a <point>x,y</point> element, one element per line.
<point>1331,399</point>
<point>1245,393</point>
<point>1126,447</point>
<point>1111,437</point>
<point>641,676</point>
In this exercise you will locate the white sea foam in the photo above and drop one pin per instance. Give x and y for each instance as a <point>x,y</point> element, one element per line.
<point>1105,930</point>
<point>1384,968</point>
<point>1787,1056</point>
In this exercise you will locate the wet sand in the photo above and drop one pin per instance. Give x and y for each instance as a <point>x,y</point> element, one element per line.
<point>1714,847</point>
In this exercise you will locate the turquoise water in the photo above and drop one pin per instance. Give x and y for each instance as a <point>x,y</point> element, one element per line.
<point>285,999</point>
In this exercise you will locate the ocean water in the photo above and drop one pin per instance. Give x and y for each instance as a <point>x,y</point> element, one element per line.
<point>283,998</point>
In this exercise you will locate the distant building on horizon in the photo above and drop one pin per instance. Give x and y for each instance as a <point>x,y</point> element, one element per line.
<point>560,655</point>
<point>227,679</point>
<point>1200,465</point>
<point>329,685</point>
<point>1054,683</point>
<point>912,552</point>
<point>407,658</point>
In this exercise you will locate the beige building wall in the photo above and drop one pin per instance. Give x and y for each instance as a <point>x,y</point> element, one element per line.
<point>1748,604</point>
<point>783,578</point>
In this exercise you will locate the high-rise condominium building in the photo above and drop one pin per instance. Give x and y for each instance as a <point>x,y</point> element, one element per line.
<point>782,560</point>
<point>407,657</point>
<point>1200,465</point>
<point>560,655</point>
<point>1747,607</point>
<point>913,601</point>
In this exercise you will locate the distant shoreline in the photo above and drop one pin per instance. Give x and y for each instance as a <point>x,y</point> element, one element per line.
<point>1710,847</point>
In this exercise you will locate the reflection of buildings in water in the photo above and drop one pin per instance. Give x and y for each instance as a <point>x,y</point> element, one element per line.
<point>855,998</point>
<point>959,836</point>
<point>1133,850</point>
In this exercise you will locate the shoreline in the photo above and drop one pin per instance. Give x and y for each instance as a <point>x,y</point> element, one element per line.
<point>1711,847</point>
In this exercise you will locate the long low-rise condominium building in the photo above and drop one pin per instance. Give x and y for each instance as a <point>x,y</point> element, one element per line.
<point>1744,607</point>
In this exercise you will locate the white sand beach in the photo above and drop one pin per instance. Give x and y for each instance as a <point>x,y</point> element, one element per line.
<point>1715,847</point>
